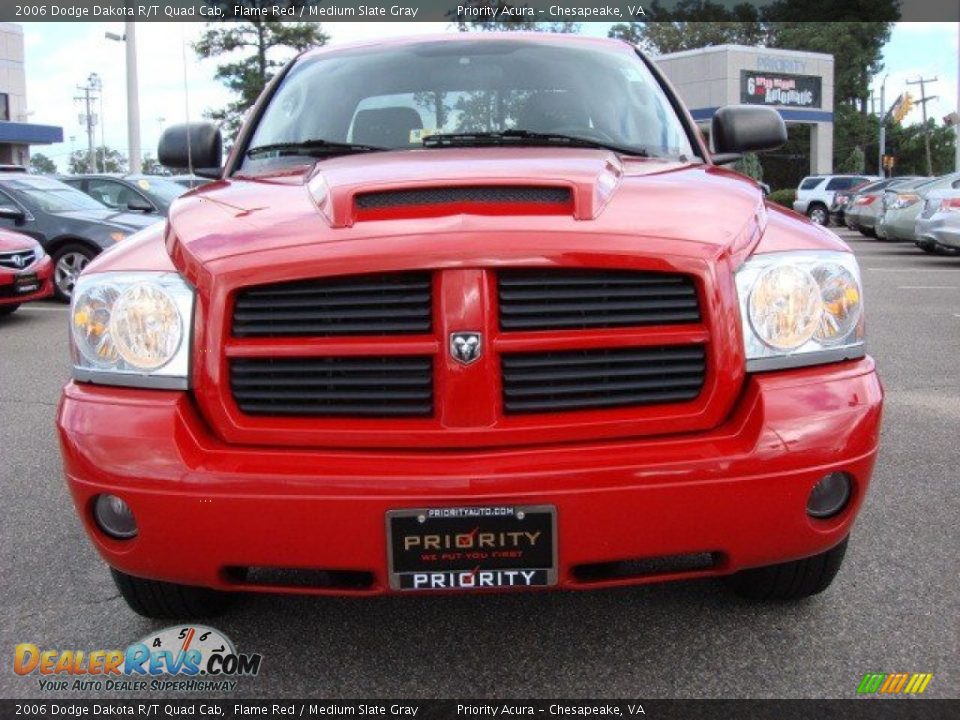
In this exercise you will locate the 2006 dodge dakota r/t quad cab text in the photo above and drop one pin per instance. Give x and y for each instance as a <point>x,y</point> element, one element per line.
<point>470,314</point>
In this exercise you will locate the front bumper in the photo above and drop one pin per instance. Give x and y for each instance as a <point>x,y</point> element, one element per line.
<point>8,279</point>
<point>737,492</point>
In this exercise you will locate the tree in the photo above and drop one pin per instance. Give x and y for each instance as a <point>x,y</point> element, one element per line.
<point>256,48</point>
<point>855,163</point>
<point>750,166</point>
<point>905,143</point>
<point>107,160</point>
<point>695,24</point>
<point>40,163</point>
<point>150,166</point>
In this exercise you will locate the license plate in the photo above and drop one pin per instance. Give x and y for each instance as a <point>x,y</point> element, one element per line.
<point>26,284</point>
<point>471,548</point>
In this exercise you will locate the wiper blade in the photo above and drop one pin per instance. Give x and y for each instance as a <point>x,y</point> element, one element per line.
<point>524,137</point>
<point>312,147</point>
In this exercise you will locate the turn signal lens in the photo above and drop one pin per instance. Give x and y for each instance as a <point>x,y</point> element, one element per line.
<point>91,324</point>
<point>785,307</point>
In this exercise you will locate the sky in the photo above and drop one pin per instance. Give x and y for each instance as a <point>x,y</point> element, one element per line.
<point>61,56</point>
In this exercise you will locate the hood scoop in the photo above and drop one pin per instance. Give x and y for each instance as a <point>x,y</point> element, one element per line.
<point>474,199</point>
<point>577,182</point>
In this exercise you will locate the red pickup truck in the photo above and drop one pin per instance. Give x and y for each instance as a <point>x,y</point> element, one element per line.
<point>470,314</point>
<point>25,271</point>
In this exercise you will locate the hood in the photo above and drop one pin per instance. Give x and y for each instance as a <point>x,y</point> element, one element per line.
<point>15,241</point>
<point>545,192</point>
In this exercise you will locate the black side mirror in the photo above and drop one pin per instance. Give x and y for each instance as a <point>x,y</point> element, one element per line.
<point>12,212</point>
<point>738,129</point>
<point>138,204</point>
<point>197,146</point>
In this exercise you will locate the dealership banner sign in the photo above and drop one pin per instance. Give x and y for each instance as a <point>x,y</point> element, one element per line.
<point>765,88</point>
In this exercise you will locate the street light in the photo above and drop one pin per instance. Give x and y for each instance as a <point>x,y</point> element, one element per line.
<point>133,95</point>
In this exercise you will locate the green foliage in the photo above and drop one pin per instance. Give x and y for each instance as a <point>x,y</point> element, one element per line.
<point>40,163</point>
<point>854,163</point>
<point>697,23</point>
<point>783,197</point>
<point>107,160</point>
<point>256,49</point>
<point>750,166</point>
<point>906,145</point>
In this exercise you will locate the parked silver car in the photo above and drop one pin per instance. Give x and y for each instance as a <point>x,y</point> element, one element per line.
<point>900,215</point>
<point>864,209</point>
<point>939,222</point>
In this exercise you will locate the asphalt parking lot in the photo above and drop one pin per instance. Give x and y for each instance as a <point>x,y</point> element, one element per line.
<point>893,608</point>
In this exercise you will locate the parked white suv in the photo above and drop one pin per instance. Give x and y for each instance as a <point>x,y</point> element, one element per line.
<point>815,194</point>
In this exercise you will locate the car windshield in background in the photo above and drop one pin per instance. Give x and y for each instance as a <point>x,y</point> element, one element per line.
<point>497,92</point>
<point>159,188</point>
<point>52,196</point>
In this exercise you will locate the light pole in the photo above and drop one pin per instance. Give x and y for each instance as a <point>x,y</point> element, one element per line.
<point>883,126</point>
<point>133,94</point>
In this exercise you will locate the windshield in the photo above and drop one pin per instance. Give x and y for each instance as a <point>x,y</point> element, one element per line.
<point>52,196</point>
<point>395,97</point>
<point>166,191</point>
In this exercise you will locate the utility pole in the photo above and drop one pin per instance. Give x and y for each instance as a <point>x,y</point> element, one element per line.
<point>90,121</point>
<point>883,126</point>
<point>922,81</point>
<point>956,142</point>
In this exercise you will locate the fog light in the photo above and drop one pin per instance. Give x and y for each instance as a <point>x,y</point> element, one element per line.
<point>114,517</point>
<point>829,496</point>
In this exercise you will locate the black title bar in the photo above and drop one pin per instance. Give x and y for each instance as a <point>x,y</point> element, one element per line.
<point>532,11</point>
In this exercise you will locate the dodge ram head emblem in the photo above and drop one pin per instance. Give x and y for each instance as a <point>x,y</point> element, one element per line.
<point>465,346</point>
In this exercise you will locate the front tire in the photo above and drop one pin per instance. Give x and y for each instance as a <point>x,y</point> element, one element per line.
<point>68,262</point>
<point>791,580</point>
<point>8,309</point>
<point>163,600</point>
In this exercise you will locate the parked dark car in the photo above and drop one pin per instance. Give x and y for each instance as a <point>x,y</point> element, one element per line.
<point>136,193</point>
<point>72,227</point>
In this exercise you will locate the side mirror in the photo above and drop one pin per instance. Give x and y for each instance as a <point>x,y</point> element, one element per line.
<point>738,129</point>
<point>138,204</point>
<point>196,146</point>
<point>12,212</point>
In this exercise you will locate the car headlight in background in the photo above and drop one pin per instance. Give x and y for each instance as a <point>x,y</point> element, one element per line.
<point>800,308</point>
<point>132,328</point>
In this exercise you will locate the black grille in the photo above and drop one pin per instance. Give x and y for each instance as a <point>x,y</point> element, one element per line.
<point>334,386</point>
<point>579,299</point>
<point>18,259</point>
<point>381,304</point>
<point>448,196</point>
<point>595,379</point>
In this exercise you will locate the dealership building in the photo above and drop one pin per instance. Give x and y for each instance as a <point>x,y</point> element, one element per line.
<point>16,134</point>
<point>798,85</point>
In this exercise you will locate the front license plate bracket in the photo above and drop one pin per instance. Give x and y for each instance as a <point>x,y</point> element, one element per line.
<point>472,548</point>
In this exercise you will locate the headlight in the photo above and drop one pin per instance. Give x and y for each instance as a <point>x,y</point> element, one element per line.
<point>800,308</point>
<point>132,328</point>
